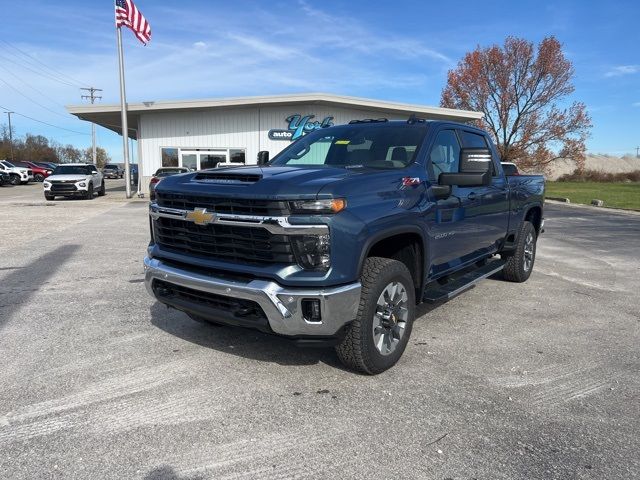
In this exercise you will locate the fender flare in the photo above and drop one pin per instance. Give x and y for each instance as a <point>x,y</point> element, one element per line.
<point>391,232</point>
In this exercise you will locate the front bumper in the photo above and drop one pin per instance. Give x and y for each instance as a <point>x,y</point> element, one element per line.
<point>281,305</point>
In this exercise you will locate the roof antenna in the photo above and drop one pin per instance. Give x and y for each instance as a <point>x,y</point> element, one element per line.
<point>413,119</point>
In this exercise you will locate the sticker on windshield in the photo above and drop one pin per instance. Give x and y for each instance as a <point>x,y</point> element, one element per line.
<point>343,142</point>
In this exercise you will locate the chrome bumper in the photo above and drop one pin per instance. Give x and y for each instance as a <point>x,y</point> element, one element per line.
<point>282,305</point>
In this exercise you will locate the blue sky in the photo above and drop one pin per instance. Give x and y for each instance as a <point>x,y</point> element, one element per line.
<point>397,50</point>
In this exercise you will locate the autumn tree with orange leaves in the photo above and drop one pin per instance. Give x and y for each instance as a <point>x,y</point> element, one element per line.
<point>522,91</point>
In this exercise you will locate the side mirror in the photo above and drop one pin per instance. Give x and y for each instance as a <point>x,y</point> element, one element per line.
<point>263,157</point>
<point>474,170</point>
<point>475,160</point>
<point>94,172</point>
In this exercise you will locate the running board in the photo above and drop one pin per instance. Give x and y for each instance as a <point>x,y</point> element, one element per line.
<point>440,293</point>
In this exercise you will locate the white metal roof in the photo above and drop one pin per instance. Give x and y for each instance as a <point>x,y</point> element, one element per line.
<point>108,115</point>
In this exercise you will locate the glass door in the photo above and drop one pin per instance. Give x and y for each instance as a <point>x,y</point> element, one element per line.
<point>189,160</point>
<point>201,159</point>
<point>212,158</point>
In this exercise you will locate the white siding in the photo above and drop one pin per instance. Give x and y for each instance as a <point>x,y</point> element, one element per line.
<point>245,128</point>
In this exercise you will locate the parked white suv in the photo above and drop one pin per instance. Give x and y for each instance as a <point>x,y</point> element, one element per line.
<point>17,174</point>
<point>74,180</point>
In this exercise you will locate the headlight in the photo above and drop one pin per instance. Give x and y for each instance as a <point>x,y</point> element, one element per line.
<point>82,184</point>
<point>313,251</point>
<point>328,205</point>
<point>46,184</point>
<point>49,172</point>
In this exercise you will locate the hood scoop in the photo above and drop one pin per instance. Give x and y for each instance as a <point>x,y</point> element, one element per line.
<point>228,178</point>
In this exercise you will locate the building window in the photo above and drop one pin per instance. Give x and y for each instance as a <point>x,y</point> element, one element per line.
<point>236,156</point>
<point>169,157</point>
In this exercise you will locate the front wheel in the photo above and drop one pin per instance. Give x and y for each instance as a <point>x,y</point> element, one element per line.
<point>377,338</point>
<point>38,177</point>
<point>102,190</point>
<point>520,263</point>
<point>49,197</point>
<point>89,194</point>
<point>14,180</point>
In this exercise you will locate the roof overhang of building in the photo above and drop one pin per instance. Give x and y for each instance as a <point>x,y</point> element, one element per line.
<point>108,115</point>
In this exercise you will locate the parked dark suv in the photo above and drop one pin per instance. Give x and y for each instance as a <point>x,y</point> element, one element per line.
<point>112,170</point>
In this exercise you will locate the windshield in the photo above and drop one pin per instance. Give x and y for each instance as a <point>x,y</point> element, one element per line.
<point>8,164</point>
<point>169,171</point>
<point>355,146</point>
<point>110,167</point>
<point>71,170</point>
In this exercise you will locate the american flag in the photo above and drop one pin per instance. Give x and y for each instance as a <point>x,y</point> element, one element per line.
<point>127,14</point>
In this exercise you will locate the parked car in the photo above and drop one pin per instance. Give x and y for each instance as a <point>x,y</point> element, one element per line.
<point>18,175</point>
<point>111,170</point>
<point>133,173</point>
<point>163,173</point>
<point>39,172</point>
<point>49,165</point>
<point>74,180</point>
<point>510,169</point>
<point>5,178</point>
<point>341,235</point>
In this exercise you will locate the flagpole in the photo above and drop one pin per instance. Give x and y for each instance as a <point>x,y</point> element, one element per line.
<point>123,109</point>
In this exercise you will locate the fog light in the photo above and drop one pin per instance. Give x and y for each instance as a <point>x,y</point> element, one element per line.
<point>82,184</point>
<point>311,310</point>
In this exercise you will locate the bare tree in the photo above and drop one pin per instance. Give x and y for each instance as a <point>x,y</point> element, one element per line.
<point>522,92</point>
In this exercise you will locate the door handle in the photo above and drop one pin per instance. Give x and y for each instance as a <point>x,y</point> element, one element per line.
<point>472,196</point>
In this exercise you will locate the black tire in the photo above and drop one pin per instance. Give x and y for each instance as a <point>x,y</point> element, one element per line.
<point>520,262</point>
<point>14,180</point>
<point>358,349</point>
<point>49,197</point>
<point>89,194</point>
<point>102,190</point>
<point>38,177</point>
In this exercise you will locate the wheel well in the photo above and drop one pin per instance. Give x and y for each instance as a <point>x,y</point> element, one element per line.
<point>406,248</point>
<point>534,215</point>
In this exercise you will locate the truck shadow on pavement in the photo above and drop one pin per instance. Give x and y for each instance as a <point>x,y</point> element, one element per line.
<point>241,342</point>
<point>167,473</point>
<point>24,282</point>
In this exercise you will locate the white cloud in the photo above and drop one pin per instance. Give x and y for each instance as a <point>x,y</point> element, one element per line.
<point>622,70</point>
<point>200,45</point>
<point>636,104</point>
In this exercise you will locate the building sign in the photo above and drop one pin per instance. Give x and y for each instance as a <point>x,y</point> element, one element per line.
<point>298,126</point>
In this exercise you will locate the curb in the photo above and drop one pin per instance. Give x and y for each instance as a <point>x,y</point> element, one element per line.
<point>620,211</point>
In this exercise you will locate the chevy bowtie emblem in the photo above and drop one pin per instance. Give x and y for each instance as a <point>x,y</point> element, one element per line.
<point>200,216</point>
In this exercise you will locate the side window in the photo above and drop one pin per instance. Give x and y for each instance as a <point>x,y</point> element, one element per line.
<point>473,140</point>
<point>445,153</point>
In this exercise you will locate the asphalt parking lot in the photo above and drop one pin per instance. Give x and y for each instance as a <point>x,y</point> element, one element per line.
<point>534,380</point>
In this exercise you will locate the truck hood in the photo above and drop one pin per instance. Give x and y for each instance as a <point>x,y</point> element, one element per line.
<point>76,178</point>
<point>256,182</point>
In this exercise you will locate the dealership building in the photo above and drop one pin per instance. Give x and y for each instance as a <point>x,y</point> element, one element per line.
<point>200,134</point>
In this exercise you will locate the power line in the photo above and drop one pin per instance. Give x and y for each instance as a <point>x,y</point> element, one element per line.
<point>57,72</point>
<point>39,72</point>
<point>31,99</point>
<point>45,123</point>
<point>30,86</point>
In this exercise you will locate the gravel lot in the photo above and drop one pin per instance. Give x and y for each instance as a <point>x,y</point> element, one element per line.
<point>536,380</point>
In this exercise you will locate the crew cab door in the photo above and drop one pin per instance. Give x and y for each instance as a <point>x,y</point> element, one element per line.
<point>493,198</point>
<point>458,227</point>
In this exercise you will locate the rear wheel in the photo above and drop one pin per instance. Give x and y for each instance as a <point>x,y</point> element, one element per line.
<point>520,263</point>
<point>377,338</point>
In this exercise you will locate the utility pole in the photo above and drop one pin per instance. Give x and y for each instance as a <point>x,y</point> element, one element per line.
<point>637,152</point>
<point>93,98</point>
<point>10,135</point>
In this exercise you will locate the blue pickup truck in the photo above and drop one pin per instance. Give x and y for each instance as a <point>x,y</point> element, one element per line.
<point>336,239</point>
